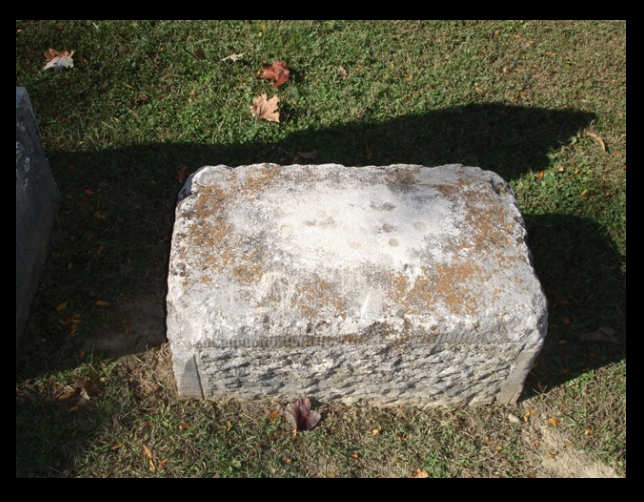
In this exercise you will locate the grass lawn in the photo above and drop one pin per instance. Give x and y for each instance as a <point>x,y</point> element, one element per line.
<point>542,103</point>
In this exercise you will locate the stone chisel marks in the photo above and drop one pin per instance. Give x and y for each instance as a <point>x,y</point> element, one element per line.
<point>379,285</point>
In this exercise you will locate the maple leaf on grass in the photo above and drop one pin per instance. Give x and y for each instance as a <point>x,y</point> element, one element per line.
<point>278,72</point>
<point>300,415</point>
<point>58,59</point>
<point>266,109</point>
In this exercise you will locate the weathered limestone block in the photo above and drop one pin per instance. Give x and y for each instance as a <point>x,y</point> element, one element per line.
<point>37,200</point>
<point>380,285</point>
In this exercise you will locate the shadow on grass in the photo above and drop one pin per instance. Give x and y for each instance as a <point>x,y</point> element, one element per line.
<point>109,253</point>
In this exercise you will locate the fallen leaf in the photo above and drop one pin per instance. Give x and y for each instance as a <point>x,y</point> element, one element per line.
<point>308,155</point>
<point>266,109</point>
<point>540,175</point>
<point>401,437</point>
<point>528,414</point>
<point>343,72</point>
<point>61,306</point>
<point>486,439</point>
<point>233,57</point>
<point>376,431</point>
<point>102,303</point>
<point>287,460</point>
<point>184,426</point>
<point>300,415</point>
<point>499,448</point>
<point>331,474</point>
<point>554,422</point>
<point>183,173</point>
<point>58,59</point>
<point>560,169</point>
<point>66,393</point>
<point>148,452</point>
<point>355,455</point>
<point>587,431</point>
<point>116,446</point>
<point>551,454</point>
<point>273,415</point>
<point>229,426</point>
<point>199,54</point>
<point>420,474</point>
<point>604,334</point>
<point>278,72</point>
<point>597,138</point>
<point>151,463</point>
<point>161,463</point>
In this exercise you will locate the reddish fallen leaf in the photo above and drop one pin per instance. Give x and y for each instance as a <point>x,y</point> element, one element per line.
<point>58,59</point>
<point>300,415</point>
<point>266,109</point>
<point>116,446</point>
<point>184,426</point>
<point>540,175</point>
<point>554,422</point>
<point>355,455</point>
<point>199,54</point>
<point>273,415</point>
<point>278,72</point>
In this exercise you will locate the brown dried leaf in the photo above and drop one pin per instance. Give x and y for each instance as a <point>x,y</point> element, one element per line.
<point>597,138</point>
<point>182,174</point>
<point>148,452</point>
<point>604,334</point>
<point>102,303</point>
<point>116,446</point>
<point>420,474</point>
<point>343,72</point>
<point>308,155</point>
<point>66,393</point>
<point>266,109</point>
<point>273,415</point>
<point>278,72</point>
<point>300,416</point>
<point>554,422</point>
<point>61,306</point>
<point>58,59</point>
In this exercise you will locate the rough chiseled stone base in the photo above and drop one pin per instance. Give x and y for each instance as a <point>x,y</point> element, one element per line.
<point>381,285</point>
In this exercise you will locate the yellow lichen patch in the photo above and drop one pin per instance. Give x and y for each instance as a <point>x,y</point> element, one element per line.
<point>319,297</point>
<point>262,178</point>
<point>446,286</point>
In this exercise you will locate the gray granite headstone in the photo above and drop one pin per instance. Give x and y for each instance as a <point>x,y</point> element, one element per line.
<point>37,200</point>
<point>380,285</point>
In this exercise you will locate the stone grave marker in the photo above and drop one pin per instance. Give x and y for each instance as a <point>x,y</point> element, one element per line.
<point>37,200</point>
<point>379,285</point>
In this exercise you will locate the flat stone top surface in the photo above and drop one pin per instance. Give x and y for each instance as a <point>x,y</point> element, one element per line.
<point>331,254</point>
